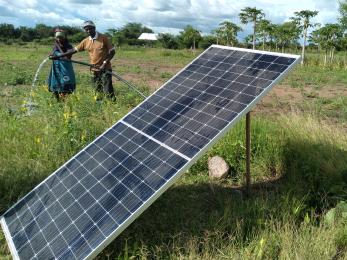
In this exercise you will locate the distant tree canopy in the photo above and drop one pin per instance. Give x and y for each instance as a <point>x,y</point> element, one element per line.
<point>9,33</point>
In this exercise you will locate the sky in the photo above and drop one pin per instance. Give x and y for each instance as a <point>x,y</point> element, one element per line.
<point>162,16</point>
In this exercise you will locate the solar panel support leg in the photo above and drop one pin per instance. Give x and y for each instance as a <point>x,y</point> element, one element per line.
<point>248,153</point>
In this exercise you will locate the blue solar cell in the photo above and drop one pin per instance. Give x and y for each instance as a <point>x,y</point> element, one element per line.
<point>94,238</point>
<point>37,241</point>
<point>98,191</point>
<point>269,75</point>
<point>142,172</point>
<point>214,90</point>
<point>143,191</point>
<point>50,231</point>
<point>260,65</point>
<point>81,248</point>
<point>237,69</point>
<point>57,189</point>
<point>216,73</point>
<point>70,234</point>
<point>83,222</point>
<point>277,68</point>
<point>20,239</point>
<point>245,62</point>
<point>86,200</point>
<point>243,98</point>
<point>54,209</point>
<point>106,224</point>
<point>188,150</point>
<point>96,212</point>
<point>132,202</point>
<point>284,60</point>
<point>119,191</point>
<point>26,253</point>
<point>202,71</point>
<point>46,253</point>
<point>43,219</point>
<point>267,58</point>
<point>67,255</point>
<point>108,181</point>
<point>119,172</point>
<point>108,202</point>
<point>231,60</point>
<point>119,213</point>
<point>252,72</point>
<point>59,245</point>
<point>251,56</point>
<point>166,172</point>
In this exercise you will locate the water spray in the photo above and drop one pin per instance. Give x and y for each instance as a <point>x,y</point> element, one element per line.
<point>29,104</point>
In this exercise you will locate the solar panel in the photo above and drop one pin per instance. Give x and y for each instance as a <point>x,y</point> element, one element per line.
<point>91,199</point>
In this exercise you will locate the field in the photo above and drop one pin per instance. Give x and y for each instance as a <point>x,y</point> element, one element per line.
<point>297,208</point>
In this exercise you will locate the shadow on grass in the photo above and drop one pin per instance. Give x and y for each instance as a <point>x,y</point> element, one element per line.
<point>314,177</point>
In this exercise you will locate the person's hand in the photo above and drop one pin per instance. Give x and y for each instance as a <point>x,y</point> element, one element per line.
<point>102,67</point>
<point>54,57</point>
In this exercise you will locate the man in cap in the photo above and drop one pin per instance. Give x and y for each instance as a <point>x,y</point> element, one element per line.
<point>101,52</point>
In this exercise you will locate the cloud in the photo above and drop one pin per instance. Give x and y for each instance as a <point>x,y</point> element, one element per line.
<point>163,15</point>
<point>6,12</point>
<point>86,2</point>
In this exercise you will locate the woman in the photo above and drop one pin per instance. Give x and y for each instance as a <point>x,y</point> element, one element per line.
<point>61,80</point>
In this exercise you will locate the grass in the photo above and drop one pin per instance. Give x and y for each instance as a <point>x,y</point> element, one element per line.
<point>299,165</point>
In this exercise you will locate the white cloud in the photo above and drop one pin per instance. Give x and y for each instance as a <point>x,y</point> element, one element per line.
<point>161,15</point>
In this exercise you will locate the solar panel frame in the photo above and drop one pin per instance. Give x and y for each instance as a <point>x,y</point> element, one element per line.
<point>183,169</point>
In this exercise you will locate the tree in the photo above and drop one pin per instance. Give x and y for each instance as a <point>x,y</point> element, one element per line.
<point>7,31</point>
<point>264,30</point>
<point>117,36</point>
<point>228,31</point>
<point>43,31</point>
<point>271,30</point>
<point>302,19</point>
<point>253,15</point>
<point>168,41</point>
<point>218,34</point>
<point>190,37</point>
<point>286,34</point>
<point>343,14</point>
<point>248,40</point>
<point>327,38</point>
<point>26,34</point>
<point>207,41</point>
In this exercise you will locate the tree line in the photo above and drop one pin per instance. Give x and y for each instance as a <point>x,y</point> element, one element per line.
<point>265,34</point>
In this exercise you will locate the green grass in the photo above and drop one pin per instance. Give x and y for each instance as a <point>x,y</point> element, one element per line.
<point>299,165</point>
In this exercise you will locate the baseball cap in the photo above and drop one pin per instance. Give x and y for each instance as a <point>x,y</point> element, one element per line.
<point>88,23</point>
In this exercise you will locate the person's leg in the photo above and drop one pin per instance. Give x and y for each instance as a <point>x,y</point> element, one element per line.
<point>97,81</point>
<point>107,85</point>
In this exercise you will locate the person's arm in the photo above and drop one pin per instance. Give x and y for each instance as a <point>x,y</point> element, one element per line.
<point>110,55</point>
<point>61,55</point>
<point>69,53</point>
<point>108,59</point>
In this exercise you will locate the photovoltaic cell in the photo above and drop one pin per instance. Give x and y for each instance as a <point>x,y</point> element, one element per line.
<point>87,202</point>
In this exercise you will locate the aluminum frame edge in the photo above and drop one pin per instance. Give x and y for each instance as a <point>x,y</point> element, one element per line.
<point>9,239</point>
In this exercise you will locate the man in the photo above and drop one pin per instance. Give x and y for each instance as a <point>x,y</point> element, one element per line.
<point>101,52</point>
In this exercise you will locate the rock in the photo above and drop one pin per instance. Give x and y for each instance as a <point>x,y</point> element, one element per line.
<point>217,167</point>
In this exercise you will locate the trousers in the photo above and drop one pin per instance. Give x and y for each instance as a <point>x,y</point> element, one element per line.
<point>102,81</point>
